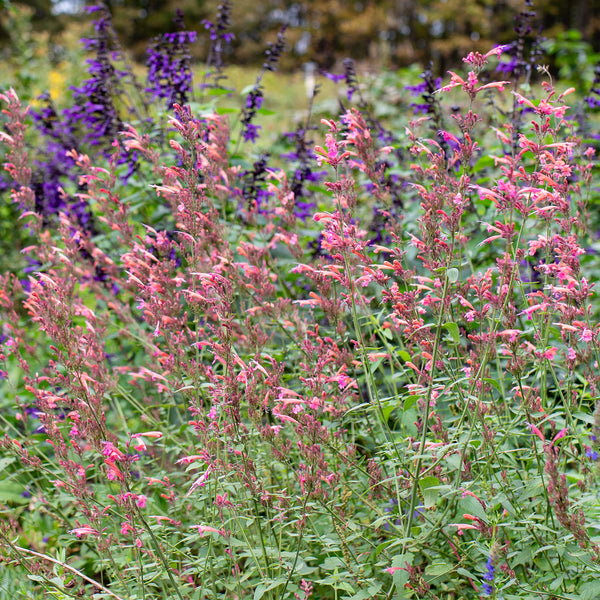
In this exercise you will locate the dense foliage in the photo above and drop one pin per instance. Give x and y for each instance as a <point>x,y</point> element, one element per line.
<point>357,361</point>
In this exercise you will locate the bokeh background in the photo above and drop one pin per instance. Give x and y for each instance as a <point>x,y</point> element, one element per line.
<point>377,33</point>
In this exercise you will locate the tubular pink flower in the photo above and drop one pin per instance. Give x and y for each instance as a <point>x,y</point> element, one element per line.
<point>84,530</point>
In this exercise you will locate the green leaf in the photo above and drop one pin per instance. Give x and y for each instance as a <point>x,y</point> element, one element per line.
<point>452,275</point>
<point>410,401</point>
<point>11,492</point>
<point>360,595</point>
<point>261,589</point>
<point>4,462</point>
<point>465,573</point>
<point>453,331</point>
<point>401,576</point>
<point>586,418</point>
<point>430,490</point>
<point>493,383</point>
<point>218,92</point>
<point>438,569</point>
<point>403,355</point>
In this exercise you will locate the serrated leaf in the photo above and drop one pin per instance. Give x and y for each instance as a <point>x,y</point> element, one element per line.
<point>401,578</point>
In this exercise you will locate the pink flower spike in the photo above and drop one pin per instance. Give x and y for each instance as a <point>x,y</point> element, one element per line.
<point>84,530</point>
<point>392,570</point>
<point>200,481</point>
<point>186,460</point>
<point>494,84</point>
<point>151,434</point>
<point>498,50</point>
<point>461,526</point>
<point>470,493</point>
<point>202,529</point>
<point>111,452</point>
<point>523,100</point>
<point>455,81</point>
<point>537,432</point>
<point>126,528</point>
<point>561,434</point>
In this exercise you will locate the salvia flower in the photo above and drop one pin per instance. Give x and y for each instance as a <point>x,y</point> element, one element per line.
<point>220,39</point>
<point>274,51</point>
<point>488,576</point>
<point>255,98</point>
<point>254,101</point>
<point>169,65</point>
<point>429,102</point>
<point>94,111</point>
<point>593,96</point>
<point>350,79</point>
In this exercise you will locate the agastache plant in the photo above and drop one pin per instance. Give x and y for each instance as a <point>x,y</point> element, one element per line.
<point>196,405</point>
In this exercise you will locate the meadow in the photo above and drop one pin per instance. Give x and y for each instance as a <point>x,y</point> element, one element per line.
<point>270,340</point>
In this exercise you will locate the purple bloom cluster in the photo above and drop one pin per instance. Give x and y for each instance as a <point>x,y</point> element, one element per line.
<point>425,92</point>
<point>304,173</point>
<point>254,101</point>
<point>350,79</point>
<point>220,38</point>
<point>489,576</point>
<point>51,173</point>
<point>274,51</point>
<point>517,64</point>
<point>593,96</point>
<point>253,191</point>
<point>334,77</point>
<point>255,98</point>
<point>169,65</point>
<point>93,111</point>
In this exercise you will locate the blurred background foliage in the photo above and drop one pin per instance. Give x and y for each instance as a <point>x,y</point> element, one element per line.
<point>380,33</point>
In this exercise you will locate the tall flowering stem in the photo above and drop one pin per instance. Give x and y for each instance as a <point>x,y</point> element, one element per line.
<point>255,98</point>
<point>169,65</point>
<point>220,39</point>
